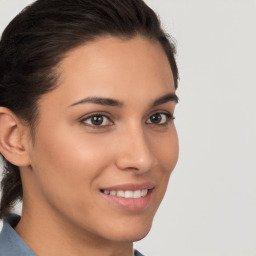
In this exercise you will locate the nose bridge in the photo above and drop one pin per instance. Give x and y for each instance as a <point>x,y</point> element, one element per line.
<point>135,149</point>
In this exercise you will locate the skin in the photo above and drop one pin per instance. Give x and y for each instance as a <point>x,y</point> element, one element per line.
<point>70,160</point>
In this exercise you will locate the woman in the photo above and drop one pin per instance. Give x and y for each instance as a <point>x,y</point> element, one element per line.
<point>87,96</point>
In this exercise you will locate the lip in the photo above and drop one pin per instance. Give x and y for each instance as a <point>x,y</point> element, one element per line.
<point>130,204</point>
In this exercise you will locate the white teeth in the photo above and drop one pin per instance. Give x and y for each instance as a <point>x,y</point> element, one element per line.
<point>137,194</point>
<point>120,193</point>
<point>112,192</point>
<point>127,193</point>
<point>144,192</point>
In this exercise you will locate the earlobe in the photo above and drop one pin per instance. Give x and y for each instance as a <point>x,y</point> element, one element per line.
<point>11,138</point>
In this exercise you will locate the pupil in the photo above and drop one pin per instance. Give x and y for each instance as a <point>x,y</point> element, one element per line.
<point>156,118</point>
<point>97,120</point>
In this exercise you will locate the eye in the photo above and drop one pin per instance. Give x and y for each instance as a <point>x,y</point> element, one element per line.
<point>160,118</point>
<point>97,121</point>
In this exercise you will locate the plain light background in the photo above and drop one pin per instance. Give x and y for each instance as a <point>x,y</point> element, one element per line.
<point>210,205</point>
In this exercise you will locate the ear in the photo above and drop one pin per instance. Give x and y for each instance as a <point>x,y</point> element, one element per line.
<point>13,143</point>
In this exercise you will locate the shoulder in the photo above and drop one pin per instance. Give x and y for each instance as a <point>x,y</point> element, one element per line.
<point>11,244</point>
<point>5,240</point>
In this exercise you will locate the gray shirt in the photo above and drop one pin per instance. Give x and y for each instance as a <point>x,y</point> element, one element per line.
<point>11,244</point>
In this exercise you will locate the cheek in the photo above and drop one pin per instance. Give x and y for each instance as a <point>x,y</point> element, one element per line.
<point>63,161</point>
<point>166,150</point>
<point>68,150</point>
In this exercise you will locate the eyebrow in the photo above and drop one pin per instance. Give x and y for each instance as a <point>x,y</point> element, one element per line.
<point>116,103</point>
<point>166,98</point>
<point>100,101</point>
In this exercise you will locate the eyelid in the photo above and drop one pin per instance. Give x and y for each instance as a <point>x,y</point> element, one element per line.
<point>88,116</point>
<point>169,117</point>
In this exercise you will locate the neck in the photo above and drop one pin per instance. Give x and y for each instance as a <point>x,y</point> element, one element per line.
<point>48,235</point>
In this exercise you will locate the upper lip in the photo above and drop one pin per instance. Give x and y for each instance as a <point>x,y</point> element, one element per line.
<point>131,186</point>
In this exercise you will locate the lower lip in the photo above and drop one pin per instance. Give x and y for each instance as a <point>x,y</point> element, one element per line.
<point>132,204</point>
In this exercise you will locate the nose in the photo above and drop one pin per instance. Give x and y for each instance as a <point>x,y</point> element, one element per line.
<point>134,151</point>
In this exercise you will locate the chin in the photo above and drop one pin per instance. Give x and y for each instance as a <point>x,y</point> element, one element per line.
<point>129,233</point>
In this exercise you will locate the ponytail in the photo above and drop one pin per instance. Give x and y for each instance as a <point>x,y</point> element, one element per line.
<point>11,187</point>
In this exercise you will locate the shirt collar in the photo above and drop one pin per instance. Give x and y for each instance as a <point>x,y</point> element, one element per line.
<point>11,243</point>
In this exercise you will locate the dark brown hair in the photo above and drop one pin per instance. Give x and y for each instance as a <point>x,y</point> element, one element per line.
<point>37,39</point>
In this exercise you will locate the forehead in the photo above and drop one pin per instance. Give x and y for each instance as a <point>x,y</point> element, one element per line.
<point>115,67</point>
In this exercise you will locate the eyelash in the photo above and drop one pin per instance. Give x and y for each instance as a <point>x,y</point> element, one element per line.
<point>169,117</point>
<point>98,114</point>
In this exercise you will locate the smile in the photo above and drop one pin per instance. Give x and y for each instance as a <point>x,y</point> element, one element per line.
<point>131,197</point>
<point>126,193</point>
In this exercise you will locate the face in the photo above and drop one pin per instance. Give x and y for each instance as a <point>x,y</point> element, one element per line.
<point>106,143</point>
